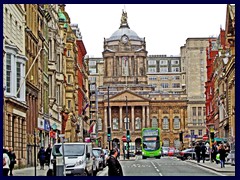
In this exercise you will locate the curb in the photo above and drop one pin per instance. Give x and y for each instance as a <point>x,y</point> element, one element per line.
<point>212,168</point>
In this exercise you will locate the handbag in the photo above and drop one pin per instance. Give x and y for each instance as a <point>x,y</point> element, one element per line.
<point>4,161</point>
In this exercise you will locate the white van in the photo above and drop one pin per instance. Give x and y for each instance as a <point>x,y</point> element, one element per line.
<point>78,158</point>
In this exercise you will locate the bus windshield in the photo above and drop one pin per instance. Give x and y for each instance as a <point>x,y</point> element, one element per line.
<point>151,146</point>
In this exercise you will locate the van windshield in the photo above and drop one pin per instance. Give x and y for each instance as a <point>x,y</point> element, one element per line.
<point>69,150</point>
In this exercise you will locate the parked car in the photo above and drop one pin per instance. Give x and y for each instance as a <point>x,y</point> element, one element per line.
<point>78,158</point>
<point>187,154</point>
<point>98,162</point>
<point>99,151</point>
<point>106,154</point>
<point>171,152</point>
<point>165,151</point>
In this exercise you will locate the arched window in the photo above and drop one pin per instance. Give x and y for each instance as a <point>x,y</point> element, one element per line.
<point>99,125</point>
<point>154,122</point>
<point>166,143</point>
<point>165,123</point>
<point>138,123</point>
<point>176,122</point>
<point>115,123</point>
<point>176,143</point>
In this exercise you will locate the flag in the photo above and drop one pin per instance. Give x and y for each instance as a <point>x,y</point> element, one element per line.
<point>91,127</point>
<point>84,109</point>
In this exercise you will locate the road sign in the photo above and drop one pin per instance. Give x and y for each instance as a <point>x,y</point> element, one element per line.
<point>124,139</point>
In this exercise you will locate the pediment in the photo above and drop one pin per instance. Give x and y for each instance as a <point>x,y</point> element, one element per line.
<point>131,96</point>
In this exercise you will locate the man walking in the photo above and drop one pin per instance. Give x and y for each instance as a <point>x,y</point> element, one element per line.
<point>203,149</point>
<point>114,167</point>
<point>198,151</point>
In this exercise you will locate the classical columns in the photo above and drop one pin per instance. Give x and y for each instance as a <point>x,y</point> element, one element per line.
<point>132,117</point>
<point>120,117</point>
<point>148,119</point>
<point>143,117</point>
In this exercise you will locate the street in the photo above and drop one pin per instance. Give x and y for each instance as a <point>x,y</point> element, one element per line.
<point>166,166</point>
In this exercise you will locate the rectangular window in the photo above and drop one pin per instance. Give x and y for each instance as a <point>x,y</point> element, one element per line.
<point>152,78</point>
<point>175,62</point>
<point>8,73</point>
<point>199,111</point>
<point>92,63</point>
<point>50,85</point>
<point>68,53</point>
<point>165,123</point>
<point>69,79</point>
<point>58,94</point>
<point>151,70</point>
<point>115,123</point>
<point>50,50</point>
<point>204,111</point>
<point>199,132</point>
<point>176,85</point>
<point>175,69</point>
<point>18,77</point>
<point>164,77</point>
<point>69,104</point>
<point>163,62</point>
<point>163,69</point>
<point>151,62</point>
<point>194,111</point>
<point>164,85</point>
<point>194,122</point>
<point>200,122</point>
<point>176,77</point>
<point>58,63</point>
<point>192,132</point>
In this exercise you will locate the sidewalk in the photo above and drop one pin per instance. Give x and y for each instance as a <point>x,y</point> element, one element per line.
<point>30,171</point>
<point>216,167</point>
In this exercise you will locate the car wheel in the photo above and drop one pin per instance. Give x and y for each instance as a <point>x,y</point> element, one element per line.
<point>189,157</point>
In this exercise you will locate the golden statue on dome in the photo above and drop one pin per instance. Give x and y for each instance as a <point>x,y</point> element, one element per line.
<point>124,18</point>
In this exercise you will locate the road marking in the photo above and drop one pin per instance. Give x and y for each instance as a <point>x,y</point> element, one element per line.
<point>160,174</point>
<point>156,168</point>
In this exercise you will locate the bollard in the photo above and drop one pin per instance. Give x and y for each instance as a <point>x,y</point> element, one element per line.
<point>59,166</point>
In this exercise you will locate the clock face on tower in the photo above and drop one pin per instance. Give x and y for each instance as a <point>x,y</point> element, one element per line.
<point>124,39</point>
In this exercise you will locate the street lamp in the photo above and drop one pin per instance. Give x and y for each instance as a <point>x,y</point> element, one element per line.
<point>127,128</point>
<point>35,164</point>
<point>108,124</point>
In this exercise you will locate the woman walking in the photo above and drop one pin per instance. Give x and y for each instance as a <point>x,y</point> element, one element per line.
<point>222,153</point>
<point>41,157</point>
<point>6,162</point>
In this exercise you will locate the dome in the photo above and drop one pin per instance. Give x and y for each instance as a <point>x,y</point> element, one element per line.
<point>61,16</point>
<point>124,30</point>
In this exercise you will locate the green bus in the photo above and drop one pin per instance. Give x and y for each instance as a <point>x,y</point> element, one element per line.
<point>151,143</point>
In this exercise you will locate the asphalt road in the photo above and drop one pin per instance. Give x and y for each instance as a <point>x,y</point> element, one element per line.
<point>166,166</point>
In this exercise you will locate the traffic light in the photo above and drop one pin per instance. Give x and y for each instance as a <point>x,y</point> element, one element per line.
<point>212,136</point>
<point>128,135</point>
<point>109,134</point>
<point>181,136</point>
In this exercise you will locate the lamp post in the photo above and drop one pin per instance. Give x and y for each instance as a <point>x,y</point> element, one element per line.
<point>35,164</point>
<point>127,127</point>
<point>108,121</point>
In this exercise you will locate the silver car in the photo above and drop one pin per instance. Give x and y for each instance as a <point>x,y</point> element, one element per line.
<point>165,151</point>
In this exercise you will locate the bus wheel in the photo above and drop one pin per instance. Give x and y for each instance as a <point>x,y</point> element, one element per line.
<point>158,157</point>
<point>144,157</point>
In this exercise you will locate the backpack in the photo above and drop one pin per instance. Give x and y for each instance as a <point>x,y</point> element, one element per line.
<point>4,161</point>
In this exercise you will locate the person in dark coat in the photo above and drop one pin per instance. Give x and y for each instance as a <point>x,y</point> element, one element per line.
<point>41,157</point>
<point>114,167</point>
<point>12,158</point>
<point>222,153</point>
<point>203,150</point>
<point>198,151</point>
<point>214,152</point>
<point>48,154</point>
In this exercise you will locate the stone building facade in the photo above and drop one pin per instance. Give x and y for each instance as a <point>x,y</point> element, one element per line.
<point>132,101</point>
<point>14,63</point>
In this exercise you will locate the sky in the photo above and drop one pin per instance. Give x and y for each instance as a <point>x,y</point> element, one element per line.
<point>164,26</point>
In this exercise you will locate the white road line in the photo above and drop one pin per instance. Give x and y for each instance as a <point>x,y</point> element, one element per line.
<point>160,174</point>
<point>156,168</point>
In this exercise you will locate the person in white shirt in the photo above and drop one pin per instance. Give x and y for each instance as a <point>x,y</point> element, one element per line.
<point>7,162</point>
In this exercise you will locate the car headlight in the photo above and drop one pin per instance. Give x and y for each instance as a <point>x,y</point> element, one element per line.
<point>143,153</point>
<point>79,162</point>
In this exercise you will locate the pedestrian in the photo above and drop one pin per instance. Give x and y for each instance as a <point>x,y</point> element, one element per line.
<point>214,152</point>
<point>198,151</point>
<point>203,150</point>
<point>12,158</point>
<point>41,157</point>
<point>222,153</point>
<point>114,167</point>
<point>6,162</point>
<point>48,154</point>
